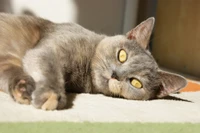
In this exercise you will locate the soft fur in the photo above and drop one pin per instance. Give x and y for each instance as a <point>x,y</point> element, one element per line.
<point>39,60</point>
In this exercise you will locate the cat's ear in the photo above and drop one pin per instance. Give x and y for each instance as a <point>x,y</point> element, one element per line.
<point>142,32</point>
<point>171,83</point>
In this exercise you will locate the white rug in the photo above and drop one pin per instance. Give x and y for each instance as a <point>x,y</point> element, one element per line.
<point>99,108</point>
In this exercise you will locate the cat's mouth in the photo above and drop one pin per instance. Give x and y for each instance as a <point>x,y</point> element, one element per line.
<point>114,86</point>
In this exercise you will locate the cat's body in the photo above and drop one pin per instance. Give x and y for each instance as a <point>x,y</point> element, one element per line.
<point>39,60</point>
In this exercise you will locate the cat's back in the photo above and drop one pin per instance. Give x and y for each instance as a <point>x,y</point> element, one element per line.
<point>21,23</point>
<point>19,33</point>
<point>70,29</point>
<point>71,36</point>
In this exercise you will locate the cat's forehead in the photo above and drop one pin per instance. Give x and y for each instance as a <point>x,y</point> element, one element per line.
<point>115,39</point>
<point>121,41</point>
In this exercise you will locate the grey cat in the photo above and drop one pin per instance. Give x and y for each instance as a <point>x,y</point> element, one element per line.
<point>40,60</point>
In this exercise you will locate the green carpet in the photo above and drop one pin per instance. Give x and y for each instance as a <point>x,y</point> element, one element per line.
<point>68,127</point>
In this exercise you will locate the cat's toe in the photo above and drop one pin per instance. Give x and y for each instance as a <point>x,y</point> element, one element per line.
<point>49,101</point>
<point>21,90</point>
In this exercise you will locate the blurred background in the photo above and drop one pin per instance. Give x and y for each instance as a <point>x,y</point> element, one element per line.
<point>175,42</point>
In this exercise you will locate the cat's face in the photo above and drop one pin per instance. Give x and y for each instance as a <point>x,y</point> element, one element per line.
<point>122,66</point>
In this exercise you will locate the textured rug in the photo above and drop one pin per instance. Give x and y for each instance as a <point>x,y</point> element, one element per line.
<point>182,107</point>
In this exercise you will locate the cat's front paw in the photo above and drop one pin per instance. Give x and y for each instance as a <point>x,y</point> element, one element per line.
<point>48,100</point>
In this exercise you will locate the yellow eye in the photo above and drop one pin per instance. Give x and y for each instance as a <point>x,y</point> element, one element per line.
<point>136,83</point>
<point>122,56</point>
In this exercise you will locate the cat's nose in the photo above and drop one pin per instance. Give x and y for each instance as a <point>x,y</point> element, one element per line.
<point>114,75</point>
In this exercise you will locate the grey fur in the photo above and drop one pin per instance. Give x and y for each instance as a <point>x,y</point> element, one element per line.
<point>68,57</point>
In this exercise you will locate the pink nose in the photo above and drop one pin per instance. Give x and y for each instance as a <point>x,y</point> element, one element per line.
<point>114,76</point>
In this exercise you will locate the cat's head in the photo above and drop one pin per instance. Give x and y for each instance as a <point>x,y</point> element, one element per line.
<point>123,66</point>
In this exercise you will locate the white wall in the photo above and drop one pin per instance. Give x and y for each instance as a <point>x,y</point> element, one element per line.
<point>54,10</point>
<point>103,16</point>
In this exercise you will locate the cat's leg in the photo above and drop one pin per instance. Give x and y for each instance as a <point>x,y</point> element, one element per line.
<point>44,67</point>
<point>18,84</point>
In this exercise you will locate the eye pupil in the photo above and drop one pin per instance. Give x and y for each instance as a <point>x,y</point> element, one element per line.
<point>122,56</point>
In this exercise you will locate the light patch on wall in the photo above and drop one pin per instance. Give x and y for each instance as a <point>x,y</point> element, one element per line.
<point>54,10</point>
